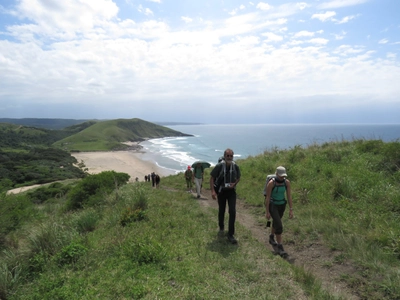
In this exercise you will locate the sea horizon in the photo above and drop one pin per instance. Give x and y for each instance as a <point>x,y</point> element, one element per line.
<point>174,154</point>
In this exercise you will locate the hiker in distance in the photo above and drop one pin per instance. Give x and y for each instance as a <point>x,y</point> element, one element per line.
<point>275,204</point>
<point>198,173</point>
<point>189,177</point>
<point>224,178</point>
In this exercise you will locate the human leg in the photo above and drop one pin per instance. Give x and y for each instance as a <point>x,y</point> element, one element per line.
<point>221,210</point>
<point>189,184</point>
<point>232,212</point>
<point>197,181</point>
<point>277,226</point>
<point>279,211</point>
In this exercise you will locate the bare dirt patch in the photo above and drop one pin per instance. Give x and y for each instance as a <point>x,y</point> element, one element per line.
<point>313,257</point>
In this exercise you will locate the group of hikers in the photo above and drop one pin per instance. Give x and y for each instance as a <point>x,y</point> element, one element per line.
<point>223,181</point>
<point>154,178</point>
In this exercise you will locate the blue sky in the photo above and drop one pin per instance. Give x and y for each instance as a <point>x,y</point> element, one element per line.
<point>210,61</point>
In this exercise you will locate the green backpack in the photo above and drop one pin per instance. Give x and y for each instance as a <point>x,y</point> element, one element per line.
<point>269,178</point>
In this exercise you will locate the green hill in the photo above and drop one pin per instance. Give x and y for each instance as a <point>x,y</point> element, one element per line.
<point>47,123</point>
<point>109,135</point>
<point>139,242</point>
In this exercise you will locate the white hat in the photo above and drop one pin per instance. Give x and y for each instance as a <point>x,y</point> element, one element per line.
<point>281,171</point>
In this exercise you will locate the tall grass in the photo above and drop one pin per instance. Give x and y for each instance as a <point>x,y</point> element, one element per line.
<point>346,196</point>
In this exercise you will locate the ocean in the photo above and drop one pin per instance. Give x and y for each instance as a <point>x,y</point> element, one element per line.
<point>209,141</point>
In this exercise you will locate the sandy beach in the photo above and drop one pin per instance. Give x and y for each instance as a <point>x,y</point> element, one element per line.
<point>129,162</point>
<point>120,161</point>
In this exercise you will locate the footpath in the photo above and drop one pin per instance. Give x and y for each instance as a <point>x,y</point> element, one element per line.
<point>311,256</point>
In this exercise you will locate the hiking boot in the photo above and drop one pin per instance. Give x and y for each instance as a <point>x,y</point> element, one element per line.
<point>272,240</point>
<point>198,196</point>
<point>221,232</point>
<point>232,239</point>
<point>281,251</point>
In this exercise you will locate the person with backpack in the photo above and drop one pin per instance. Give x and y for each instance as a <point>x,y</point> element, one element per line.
<point>157,180</point>
<point>198,173</point>
<point>275,203</point>
<point>224,178</point>
<point>189,178</point>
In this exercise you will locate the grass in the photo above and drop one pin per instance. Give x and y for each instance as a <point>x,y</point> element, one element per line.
<point>109,135</point>
<point>346,196</point>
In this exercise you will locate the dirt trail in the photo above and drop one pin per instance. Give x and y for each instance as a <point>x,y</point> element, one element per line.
<point>314,257</point>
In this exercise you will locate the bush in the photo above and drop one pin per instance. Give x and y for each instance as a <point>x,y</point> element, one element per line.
<point>14,211</point>
<point>86,222</point>
<point>146,251</point>
<point>90,190</point>
<point>129,216</point>
<point>70,254</point>
<point>54,190</point>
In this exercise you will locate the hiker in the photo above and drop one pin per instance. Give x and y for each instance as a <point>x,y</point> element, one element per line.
<point>198,173</point>
<point>226,176</point>
<point>275,204</point>
<point>157,180</point>
<point>153,179</point>
<point>189,177</point>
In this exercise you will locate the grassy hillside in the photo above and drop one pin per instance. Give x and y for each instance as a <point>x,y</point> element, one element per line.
<point>18,137</point>
<point>143,243</point>
<point>108,135</point>
<point>47,123</point>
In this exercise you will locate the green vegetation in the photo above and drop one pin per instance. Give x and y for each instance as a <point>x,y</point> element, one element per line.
<point>137,242</point>
<point>47,123</point>
<point>109,135</point>
<point>32,155</point>
<point>37,166</point>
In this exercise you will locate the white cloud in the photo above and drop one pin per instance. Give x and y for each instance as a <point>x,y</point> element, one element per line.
<point>340,3</point>
<point>324,16</point>
<point>346,50</point>
<point>76,51</point>
<point>320,41</point>
<point>303,33</point>
<point>345,20</point>
<point>187,19</point>
<point>272,37</point>
<point>144,10</point>
<point>340,36</point>
<point>264,6</point>
<point>51,16</point>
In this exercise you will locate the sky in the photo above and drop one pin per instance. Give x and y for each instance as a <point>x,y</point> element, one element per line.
<point>209,61</point>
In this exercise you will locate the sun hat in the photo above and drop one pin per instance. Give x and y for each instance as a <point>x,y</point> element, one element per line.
<point>281,171</point>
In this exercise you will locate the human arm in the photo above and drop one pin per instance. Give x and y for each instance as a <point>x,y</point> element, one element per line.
<point>270,186</point>
<point>289,197</point>
<point>213,192</point>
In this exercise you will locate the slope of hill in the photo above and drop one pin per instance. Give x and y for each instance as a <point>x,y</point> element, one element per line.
<point>109,135</point>
<point>43,122</point>
<point>163,243</point>
<point>14,136</point>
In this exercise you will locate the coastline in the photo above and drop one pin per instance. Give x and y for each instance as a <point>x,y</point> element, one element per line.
<point>130,162</point>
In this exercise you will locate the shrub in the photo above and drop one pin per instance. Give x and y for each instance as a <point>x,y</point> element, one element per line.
<point>54,190</point>
<point>90,190</point>
<point>14,211</point>
<point>49,238</point>
<point>70,254</point>
<point>145,252</point>
<point>86,222</point>
<point>130,215</point>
